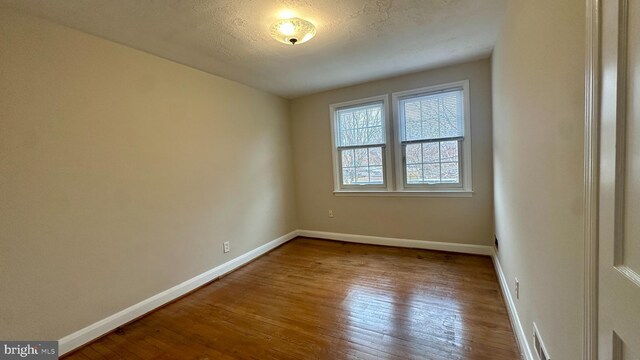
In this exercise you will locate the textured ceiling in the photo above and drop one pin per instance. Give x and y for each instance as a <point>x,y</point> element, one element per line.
<point>357,40</point>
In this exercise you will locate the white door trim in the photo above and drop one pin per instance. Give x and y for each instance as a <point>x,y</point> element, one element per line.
<point>591,176</point>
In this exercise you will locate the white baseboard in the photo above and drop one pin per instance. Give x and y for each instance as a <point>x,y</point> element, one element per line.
<point>93,331</point>
<point>521,336</point>
<point>405,243</point>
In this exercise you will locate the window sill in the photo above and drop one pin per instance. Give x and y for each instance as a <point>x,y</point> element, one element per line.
<point>442,193</point>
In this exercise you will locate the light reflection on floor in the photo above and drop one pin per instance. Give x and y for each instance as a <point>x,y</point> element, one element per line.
<point>387,309</point>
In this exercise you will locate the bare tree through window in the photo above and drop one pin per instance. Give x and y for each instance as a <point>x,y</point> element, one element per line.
<point>361,140</point>
<point>433,128</point>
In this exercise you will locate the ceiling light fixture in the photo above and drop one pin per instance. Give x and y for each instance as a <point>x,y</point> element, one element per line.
<point>293,31</point>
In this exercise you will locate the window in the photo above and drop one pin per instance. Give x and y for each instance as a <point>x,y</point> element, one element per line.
<point>431,137</point>
<point>360,143</point>
<point>431,145</point>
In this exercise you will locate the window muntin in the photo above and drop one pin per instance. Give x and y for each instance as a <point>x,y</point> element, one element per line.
<point>432,127</point>
<point>432,162</point>
<point>362,166</point>
<point>361,141</point>
<point>361,125</point>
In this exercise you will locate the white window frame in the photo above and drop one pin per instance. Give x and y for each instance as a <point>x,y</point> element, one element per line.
<point>393,162</point>
<point>465,185</point>
<point>387,166</point>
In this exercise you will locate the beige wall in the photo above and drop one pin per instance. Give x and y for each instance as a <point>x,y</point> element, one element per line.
<point>121,174</point>
<point>456,220</point>
<point>537,129</point>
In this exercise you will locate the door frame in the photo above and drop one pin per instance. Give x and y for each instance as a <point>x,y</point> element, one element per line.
<point>591,178</point>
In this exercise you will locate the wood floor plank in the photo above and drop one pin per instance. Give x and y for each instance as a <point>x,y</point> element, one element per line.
<point>316,299</point>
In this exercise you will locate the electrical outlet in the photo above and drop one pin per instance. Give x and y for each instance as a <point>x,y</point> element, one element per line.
<point>330,213</point>
<point>517,289</point>
<point>226,246</point>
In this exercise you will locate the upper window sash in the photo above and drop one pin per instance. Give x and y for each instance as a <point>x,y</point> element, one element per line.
<point>432,116</point>
<point>360,125</point>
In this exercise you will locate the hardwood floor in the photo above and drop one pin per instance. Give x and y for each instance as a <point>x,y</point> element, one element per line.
<point>315,299</point>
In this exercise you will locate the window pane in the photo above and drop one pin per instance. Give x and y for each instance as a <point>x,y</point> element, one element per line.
<point>346,122</point>
<point>414,174</point>
<point>432,173</point>
<point>430,119</point>
<point>450,172</point>
<point>368,176</point>
<point>374,117</point>
<point>412,111</point>
<point>348,136</point>
<point>375,135</point>
<point>367,136</point>
<point>431,152</point>
<point>348,159</point>
<point>413,153</point>
<point>433,116</point>
<point>413,130</point>
<point>449,150</point>
<point>362,125</point>
<point>362,157</point>
<point>432,163</point>
<point>348,176</point>
<point>375,156</point>
<point>377,175</point>
<point>362,175</point>
<point>361,118</point>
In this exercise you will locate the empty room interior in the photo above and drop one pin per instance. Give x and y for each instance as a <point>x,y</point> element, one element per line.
<point>326,179</point>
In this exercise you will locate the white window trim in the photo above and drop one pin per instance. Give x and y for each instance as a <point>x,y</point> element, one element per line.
<point>394,175</point>
<point>466,167</point>
<point>388,166</point>
<point>406,193</point>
